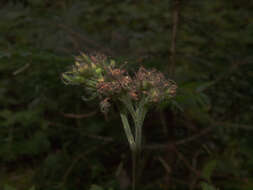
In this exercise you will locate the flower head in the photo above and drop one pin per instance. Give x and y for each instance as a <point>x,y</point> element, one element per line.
<point>100,78</point>
<point>154,85</point>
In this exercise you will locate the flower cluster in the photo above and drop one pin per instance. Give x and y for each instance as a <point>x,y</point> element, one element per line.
<point>154,85</point>
<point>101,78</point>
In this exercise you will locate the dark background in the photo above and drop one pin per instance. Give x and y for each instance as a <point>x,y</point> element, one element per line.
<point>52,140</point>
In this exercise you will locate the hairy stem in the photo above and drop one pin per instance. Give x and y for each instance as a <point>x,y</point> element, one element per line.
<point>128,131</point>
<point>138,113</point>
<point>134,163</point>
<point>132,144</point>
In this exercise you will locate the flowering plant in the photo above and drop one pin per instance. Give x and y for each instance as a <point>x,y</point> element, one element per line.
<point>133,95</point>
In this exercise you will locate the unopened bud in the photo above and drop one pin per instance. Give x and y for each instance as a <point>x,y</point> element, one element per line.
<point>85,57</point>
<point>154,93</point>
<point>93,66</point>
<point>77,64</point>
<point>78,79</point>
<point>83,68</point>
<point>112,63</point>
<point>172,90</point>
<point>98,70</point>
<point>101,79</point>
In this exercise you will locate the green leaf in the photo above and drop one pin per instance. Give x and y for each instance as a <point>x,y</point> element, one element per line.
<point>32,188</point>
<point>8,187</point>
<point>206,186</point>
<point>209,168</point>
<point>96,187</point>
<point>204,86</point>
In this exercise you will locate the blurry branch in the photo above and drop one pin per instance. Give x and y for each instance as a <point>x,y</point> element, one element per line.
<point>198,135</point>
<point>211,35</point>
<point>155,146</point>
<point>233,68</point>
<point>164,164</point>
<point>223,75</point>
<point>70,168</point>
<point>83,38</point>
<point>194,137</point>
<point>180,142</point>
<point>230,70</point>
<point>185,161</point>
<point>101,138</point>
<point>175,18</point>
<point>172,52</point>
<point>75,161</point>
<point>188,165</point>
<point>78,116</point>
<point>67,173</point>
<point>181,157</point>
<point>22,69</point>
<point>194,180</point>
<point>235,125</point>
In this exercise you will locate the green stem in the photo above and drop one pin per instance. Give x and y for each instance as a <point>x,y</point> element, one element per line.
<point>128,131</point>
<point>132,144</point>
<point>139,119</point>
<point>134,163</point>
<point>138,116</point>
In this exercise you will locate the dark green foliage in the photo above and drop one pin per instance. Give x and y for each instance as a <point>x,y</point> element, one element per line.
<point>51,139</point>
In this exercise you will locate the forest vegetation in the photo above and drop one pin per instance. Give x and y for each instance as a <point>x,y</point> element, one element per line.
<point>50,139</point>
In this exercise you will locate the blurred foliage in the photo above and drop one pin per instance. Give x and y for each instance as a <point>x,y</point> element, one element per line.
<point>51,139</point>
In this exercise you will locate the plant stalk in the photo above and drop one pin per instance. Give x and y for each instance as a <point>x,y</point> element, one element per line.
<point>138,116</point>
